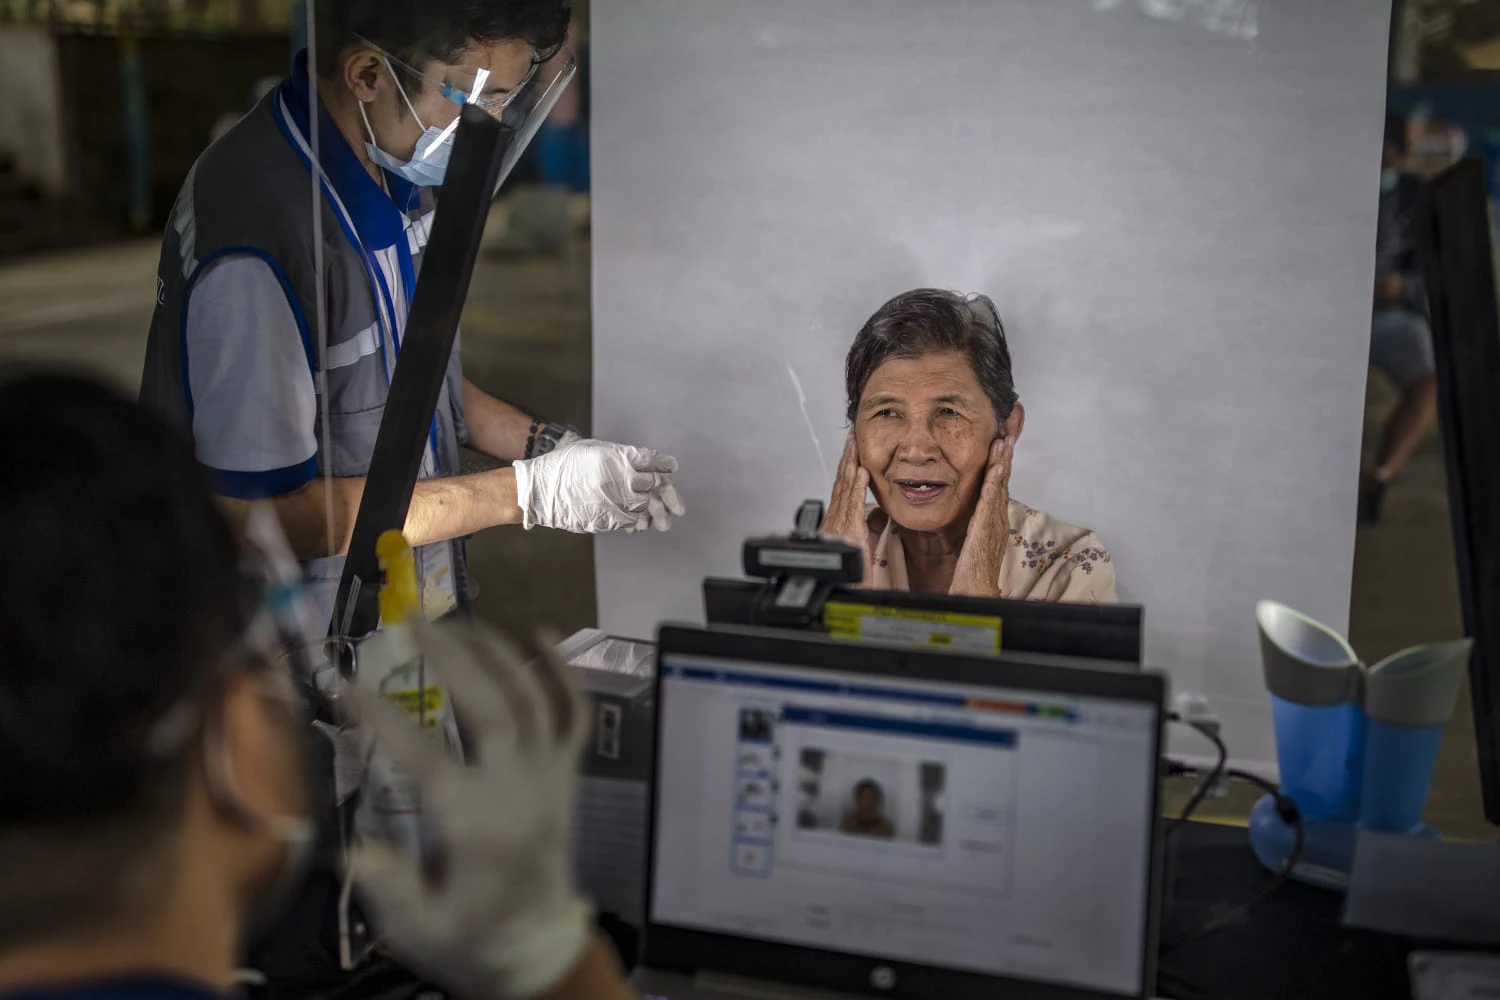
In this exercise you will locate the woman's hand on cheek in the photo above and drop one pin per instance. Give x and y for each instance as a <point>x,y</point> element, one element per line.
<point>846,508</point>
<point>988,540</point>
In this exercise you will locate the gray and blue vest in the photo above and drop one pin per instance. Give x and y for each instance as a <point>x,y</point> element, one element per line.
<point>248,201</point>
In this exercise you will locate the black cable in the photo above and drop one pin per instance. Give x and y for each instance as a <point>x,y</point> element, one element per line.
<point>1292,816</point>
<point>1207,783</point>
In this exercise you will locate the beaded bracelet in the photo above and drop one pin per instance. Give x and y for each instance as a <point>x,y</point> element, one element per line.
<point>536,425</point>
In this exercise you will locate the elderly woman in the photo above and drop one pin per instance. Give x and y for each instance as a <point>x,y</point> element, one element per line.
<point>935,422</point>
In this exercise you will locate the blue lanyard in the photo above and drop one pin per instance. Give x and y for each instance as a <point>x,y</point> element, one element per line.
<point>408,280</point>
<point>373,271</point>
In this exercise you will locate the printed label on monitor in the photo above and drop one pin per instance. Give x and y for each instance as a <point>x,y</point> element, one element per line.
<point>910,627</point>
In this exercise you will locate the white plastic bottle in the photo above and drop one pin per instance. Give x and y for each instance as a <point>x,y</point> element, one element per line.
<point>390,665</point>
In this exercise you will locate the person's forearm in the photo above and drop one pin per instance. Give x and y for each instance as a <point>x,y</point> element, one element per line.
<point>440,509</point>
<point>495,427</point>
<point>596,976</point>
<point>461,505</point>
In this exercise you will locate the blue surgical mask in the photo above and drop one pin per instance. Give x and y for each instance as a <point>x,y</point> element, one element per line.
<point>1389,180</point>
<point>429,161</point>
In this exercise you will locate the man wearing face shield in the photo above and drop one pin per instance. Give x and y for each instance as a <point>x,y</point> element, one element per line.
<point>157,800</point>
<point>276,332</point>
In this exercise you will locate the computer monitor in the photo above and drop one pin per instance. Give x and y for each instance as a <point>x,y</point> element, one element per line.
<point>824,813</point>
<point>1090,631</point>
<point>1460,267</point>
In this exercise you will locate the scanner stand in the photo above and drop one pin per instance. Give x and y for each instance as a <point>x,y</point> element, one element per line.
<point>801,570</point>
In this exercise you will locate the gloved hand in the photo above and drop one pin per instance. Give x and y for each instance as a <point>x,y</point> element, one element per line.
<point>595,486</point>
<point>494,914</point>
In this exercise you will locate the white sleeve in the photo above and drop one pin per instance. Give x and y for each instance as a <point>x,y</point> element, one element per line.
<point>249,379</point>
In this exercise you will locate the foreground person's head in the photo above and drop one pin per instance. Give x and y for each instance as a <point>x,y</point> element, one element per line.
<point>153,758</point>
<point>930,389</point>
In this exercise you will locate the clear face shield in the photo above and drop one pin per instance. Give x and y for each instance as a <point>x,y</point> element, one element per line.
<point>524,116</point>
<point>521,111</point>
<point>520,107</point>
<point>287,673</point>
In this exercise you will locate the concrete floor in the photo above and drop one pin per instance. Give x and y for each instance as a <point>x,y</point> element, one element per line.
<point>526,338</point>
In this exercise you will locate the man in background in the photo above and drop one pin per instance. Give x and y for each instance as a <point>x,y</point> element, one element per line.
<point>276,333</point>
<point>1400,338</point>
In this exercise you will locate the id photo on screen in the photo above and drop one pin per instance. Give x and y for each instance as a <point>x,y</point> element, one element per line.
<point>875,797</point>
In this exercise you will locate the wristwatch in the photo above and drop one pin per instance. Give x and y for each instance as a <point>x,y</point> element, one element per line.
<point>545,436</point>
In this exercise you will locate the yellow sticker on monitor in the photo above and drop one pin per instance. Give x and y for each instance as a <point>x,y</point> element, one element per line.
<point>911,627</point>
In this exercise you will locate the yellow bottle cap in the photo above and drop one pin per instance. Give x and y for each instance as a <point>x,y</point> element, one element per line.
<point>399,597</point>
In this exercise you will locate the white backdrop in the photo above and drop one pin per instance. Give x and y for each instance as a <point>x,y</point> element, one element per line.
<point>1172,203</point>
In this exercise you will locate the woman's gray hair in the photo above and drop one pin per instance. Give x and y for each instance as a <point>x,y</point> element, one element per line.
<point>929,321</point>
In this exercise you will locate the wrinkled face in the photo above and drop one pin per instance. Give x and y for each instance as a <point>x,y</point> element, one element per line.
<point>869,804</point>
<point>924,428</point>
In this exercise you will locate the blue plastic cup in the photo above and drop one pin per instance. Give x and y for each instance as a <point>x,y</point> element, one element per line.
<point>1408,699</point>
<point>1312,675</point>
<point>1399,761</point>
<point>1320,750</point>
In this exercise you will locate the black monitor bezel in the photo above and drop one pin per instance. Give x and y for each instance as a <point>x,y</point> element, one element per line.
<point>693,951</point>
<point>1091,631</point>
<point>1457,239</point>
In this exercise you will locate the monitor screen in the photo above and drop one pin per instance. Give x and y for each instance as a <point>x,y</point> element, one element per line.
<point>969,828</point>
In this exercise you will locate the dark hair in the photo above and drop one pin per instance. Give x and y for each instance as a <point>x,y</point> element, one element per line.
<point>868,785</point>
<point>415,31</point>
<point>1395,132</point>
<point>120,589</point>
<point>928,321</point>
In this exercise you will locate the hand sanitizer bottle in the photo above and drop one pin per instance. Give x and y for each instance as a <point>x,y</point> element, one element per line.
<point>390,664</point>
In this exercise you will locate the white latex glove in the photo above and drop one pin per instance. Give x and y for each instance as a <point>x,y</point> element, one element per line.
<point>596,486</point>
<point>496,915</point>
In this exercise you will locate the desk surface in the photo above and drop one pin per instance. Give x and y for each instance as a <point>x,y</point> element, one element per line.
<point>1291,945</point>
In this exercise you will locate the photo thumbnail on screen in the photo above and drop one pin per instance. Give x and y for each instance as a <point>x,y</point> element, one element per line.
<point>757,725</point>
<point>879,797</point>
